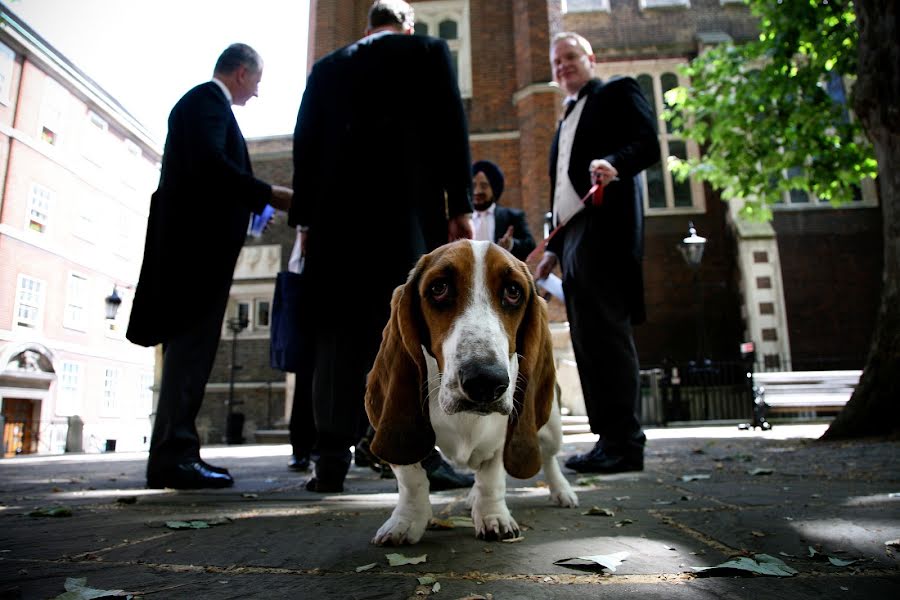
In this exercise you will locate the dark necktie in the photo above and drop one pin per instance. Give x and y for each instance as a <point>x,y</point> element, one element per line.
<point>570,106</point>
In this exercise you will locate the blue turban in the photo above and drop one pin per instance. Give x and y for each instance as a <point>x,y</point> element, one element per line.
<point>493,173</point>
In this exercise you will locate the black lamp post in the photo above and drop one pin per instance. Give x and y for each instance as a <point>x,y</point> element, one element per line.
<point>113,301</point>
<point>691,249</point>
<point>234,422</point>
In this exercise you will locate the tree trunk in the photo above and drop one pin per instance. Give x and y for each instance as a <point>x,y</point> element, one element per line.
<point>874,408</point>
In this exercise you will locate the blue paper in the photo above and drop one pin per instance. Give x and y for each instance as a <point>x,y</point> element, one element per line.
<point>260,221</point>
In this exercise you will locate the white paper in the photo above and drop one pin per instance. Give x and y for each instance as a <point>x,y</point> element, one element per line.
<point>553,284</point>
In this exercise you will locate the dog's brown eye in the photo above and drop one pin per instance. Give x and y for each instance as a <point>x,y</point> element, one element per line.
<point>512,295</point>
<point>439,290</point>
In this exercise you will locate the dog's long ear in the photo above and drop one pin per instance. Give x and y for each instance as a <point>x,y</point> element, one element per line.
<point>394,388</point>
<point>533,397</point>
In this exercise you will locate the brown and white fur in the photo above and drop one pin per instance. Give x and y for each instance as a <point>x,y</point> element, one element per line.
<point>466,362</point>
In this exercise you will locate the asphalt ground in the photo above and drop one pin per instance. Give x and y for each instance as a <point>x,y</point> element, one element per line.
<point>830,512</point>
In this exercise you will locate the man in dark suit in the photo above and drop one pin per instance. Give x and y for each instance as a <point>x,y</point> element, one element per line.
<point>607,137</point>
<point>505,226</point>
<point>381,172</point>
<point>198,221</point>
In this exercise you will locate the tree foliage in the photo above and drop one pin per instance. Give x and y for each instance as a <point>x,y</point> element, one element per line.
<point>771,114</point>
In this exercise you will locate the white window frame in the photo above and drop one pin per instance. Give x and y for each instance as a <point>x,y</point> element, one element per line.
<point>868,199</point>
<point>30,296</point>
<point>77,301</point>
<point>7,62</point>
<point>256,322</point>
<point>585,6</point>
<point>131,173</point>
<point>109,399</point>
<point>85,226</point>
<point>40,202</point>
<point>651,4</point>
<point>432,14</point>
<point>70,392</point>
<point>53,110</point>
<point>95,147</point>
<point>655,69</point>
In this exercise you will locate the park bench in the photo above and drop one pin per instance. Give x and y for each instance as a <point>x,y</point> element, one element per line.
<point>815,392</point>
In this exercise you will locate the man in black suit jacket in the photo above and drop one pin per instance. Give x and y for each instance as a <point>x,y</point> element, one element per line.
<point>381,172</point>
<point>198,221</point>
<point>607,137</point>
<point>505,226</point>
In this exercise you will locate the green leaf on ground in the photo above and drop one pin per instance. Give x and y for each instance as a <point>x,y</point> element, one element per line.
<point>839,562</point>
<point>187,524</point>
<point>77,589</point>
<point>396,560</point>
<point>695,477</point>
<point>365,567</point>
<point>760,564</point>
<point>197,523</point>
<point>52,511</point>
<point>427,580</point>
<point>605,561</point>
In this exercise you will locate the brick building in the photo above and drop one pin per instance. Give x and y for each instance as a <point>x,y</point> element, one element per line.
<point>76,173</point>
<point>804,288</point>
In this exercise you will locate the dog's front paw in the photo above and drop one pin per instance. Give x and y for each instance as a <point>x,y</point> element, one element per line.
<point>563,495</point>
<point>496,525</point>
<point>400,530</point>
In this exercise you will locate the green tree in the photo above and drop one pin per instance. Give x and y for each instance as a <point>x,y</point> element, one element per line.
<point>770,116</point>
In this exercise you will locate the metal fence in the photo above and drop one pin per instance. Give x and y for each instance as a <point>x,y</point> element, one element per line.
<point>713,390</point>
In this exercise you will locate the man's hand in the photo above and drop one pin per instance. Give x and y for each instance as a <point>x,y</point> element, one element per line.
<point>548,262</point>
<point>602,172</point>
<point>507,240</point>
<point>281,197</point>
<point>304,235</point>
<point>460,228</point>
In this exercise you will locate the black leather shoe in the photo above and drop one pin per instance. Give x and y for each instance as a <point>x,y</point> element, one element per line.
<point>214,468</point>
<point>609,463</point>
<point>190,475</point>
<point>594,454</point>
<point>330,472</point>
<point>299,464</point>
<point>443,477</point>
<point>325,486</point>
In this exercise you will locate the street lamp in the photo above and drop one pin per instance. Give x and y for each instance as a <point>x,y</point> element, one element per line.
<point>691,249</point>
<point>234,422</point>
<point>113,301</point>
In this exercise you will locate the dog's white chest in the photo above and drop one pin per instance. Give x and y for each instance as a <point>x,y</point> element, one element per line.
<point>467,439</point>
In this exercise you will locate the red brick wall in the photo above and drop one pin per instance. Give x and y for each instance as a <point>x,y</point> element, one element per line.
<point>628,31</point>
<point>671,327</point>
<point>831,261</point>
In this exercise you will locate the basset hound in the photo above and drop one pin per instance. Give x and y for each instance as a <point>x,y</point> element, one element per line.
<point>466,362</point>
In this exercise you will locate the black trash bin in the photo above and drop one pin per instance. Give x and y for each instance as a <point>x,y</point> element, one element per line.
<point>234,428</point>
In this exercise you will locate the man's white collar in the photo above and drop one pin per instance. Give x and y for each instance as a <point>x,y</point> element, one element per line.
<point>224,89</point>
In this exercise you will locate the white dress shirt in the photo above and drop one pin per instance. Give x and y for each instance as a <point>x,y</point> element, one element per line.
<point>483,223</point>
<point>566,201</point>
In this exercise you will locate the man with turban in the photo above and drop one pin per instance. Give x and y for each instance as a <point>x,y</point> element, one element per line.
<point>495,223</point>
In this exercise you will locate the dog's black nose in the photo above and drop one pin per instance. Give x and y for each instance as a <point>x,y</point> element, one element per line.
<point>483,383</point>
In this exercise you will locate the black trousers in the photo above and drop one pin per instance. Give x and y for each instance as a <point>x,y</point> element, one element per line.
<point>187,361</point>
<point>601,331</point>
<point>345,351</point>
<point>303,426</point>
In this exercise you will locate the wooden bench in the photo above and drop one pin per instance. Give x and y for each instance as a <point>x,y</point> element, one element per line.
<point>821,392</point>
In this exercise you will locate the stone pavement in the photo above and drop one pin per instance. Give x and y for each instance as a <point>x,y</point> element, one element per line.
<point>764,493</point>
